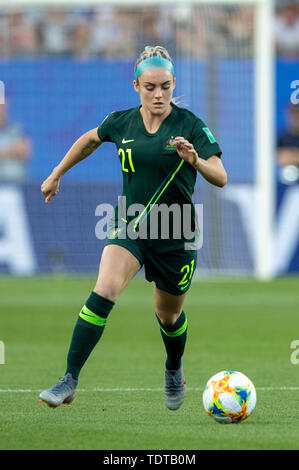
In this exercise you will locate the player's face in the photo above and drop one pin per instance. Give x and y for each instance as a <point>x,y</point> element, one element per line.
<point>155,87</point>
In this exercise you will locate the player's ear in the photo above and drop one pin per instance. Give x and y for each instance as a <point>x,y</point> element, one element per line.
<point>136,86</point>
<point>174,81</point>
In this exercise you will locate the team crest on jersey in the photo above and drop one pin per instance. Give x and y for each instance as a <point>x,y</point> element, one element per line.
<point>170,144</point>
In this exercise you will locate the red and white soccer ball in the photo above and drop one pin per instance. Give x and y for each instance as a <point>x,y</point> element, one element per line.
<point>229,397</point>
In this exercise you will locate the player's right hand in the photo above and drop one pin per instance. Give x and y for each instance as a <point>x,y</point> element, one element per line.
<point>50,188</point>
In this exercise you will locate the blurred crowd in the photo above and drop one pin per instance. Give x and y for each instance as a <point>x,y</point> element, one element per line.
<point>286,28</point>
<point>113,32</point>
<point>109,31</point>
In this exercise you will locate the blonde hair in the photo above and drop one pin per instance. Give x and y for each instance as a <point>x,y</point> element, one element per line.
<point>153,51</point>
<point>156,51</point>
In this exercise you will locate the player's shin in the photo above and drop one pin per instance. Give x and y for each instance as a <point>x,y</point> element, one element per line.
<point>87,332</point>
<point>174,338</point>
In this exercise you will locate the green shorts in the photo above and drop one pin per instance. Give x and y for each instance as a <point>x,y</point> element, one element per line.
<point>172,271</point>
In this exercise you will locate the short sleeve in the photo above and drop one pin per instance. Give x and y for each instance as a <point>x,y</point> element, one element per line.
<point>203,141</point>
<point>105,130</point>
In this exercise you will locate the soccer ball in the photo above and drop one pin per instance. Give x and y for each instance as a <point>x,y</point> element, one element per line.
<point>229,397</point>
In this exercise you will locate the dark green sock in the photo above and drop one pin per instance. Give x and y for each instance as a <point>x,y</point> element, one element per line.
<point>87,332</point>
<point>174,337</point>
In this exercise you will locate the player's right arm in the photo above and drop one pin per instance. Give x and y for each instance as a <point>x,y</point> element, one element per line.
<point>81,149</point>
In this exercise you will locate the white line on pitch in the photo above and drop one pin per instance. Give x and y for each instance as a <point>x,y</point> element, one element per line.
<point>121,389</point>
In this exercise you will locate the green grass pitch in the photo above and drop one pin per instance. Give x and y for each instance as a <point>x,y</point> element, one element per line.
<point>240,325</point>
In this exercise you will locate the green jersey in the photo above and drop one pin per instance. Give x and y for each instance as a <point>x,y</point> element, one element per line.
<point>153,172</point>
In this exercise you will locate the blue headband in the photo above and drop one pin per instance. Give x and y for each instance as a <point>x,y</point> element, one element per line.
<point>154,63</point>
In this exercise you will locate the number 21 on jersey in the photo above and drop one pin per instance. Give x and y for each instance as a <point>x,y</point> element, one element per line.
<point>126,156</point>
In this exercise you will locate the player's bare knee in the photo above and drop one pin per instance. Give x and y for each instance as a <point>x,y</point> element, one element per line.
<point>108,290</point>
<point>168,318</point>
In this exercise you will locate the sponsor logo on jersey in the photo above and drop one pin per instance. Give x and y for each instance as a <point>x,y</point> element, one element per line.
<point>124,141</point>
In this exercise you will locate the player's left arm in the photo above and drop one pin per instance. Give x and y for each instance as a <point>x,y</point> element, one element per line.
<point>211,169</point>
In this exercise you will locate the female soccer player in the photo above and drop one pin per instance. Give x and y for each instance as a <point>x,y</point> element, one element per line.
<point>161,148</point>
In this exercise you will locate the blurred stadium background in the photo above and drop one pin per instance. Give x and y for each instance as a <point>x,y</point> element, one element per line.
<point>64,68</point>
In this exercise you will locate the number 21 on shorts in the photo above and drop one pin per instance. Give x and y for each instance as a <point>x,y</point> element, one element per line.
<point>187,271</point>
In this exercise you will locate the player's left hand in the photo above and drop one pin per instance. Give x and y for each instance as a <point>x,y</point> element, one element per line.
<point>186,150</point>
